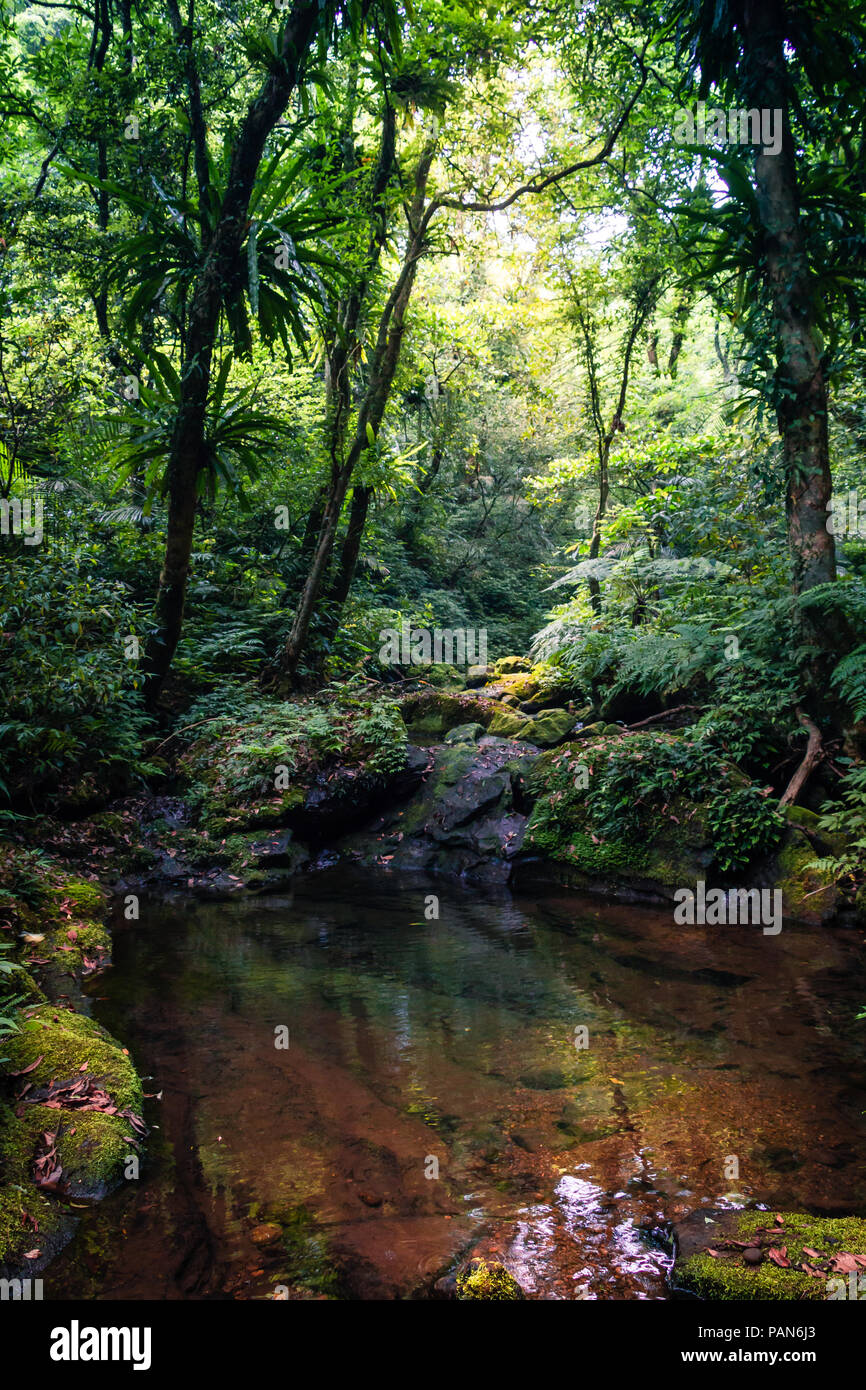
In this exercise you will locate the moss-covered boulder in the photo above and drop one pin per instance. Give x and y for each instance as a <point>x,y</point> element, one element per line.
<point>431,714</point>
<point>765,1255</point>
<point>492,1282</point>
<point>507,723</point>
<point>311,766</point>
<point>645,812</point>
<point>550,728</point>
<point>69,1129</point>
<point>465,733</point>
<point>509,665</point>
<point>55,1046</point>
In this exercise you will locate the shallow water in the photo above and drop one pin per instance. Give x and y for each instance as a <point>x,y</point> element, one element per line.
<point>419,1046</point>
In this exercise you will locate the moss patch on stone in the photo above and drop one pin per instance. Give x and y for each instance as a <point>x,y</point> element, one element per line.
<point>69,1046</point>
<point>726,1277</point>
<point>491,1282</point>
<point>806,893</point>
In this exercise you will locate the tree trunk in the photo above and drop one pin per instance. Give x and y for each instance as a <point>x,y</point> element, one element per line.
<point>187,454</point>
<point>349,552</point>
<point>386,355</point>
<point>800,378</point>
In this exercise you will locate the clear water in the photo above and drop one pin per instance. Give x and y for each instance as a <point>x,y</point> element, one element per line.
<point>448,1046</point>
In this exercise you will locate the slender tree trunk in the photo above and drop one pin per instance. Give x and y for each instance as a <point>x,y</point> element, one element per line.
<point>800,377</point>
<point>641,312</point>
<point>349,552</point>
<point>313,525</point>
<point>386,355</point>
<point>187,456</point>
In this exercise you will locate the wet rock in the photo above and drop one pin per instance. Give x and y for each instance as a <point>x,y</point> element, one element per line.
<point>462,819</point>
<point>266,1233</point>
<point>476,675</point>
<point>465,733</point>
<point>546,1079</point>
<point>446,1287</point>
<point>508,665</point>
<point>488,1281</point>
<point>530,1140</point>
<point>549,729</point>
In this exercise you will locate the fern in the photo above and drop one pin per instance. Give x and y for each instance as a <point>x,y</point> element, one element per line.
<point>849,678</point>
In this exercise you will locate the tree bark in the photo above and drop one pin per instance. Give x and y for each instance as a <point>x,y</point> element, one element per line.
<point>187,457</point>
<point>800,378</point>
<point>386,355</point>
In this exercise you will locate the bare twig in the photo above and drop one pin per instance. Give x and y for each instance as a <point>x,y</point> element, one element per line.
<point>665,714</point>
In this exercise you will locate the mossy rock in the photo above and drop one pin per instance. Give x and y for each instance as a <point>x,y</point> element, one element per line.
<point>492,1282</point>
<point>441,675</point>
<point>92,1148</point>
<point>465,733</point>
<point>560,827</point>
<point>508,724</point>
<point>522,686</point>
<point>20,1206</point>
<point>431,714</point>
<point>476,675</point>
<point>802,816</point>
<point>85,898</point>
<point>69,1048</point>
<point>511,665</point>
<point>807,894</point>
<point>550,728</point>
<point>726,1276</point>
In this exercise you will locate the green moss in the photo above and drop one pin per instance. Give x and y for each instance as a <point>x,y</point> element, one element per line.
<point>491,1282</point>
<point>85,898</point>
<point>92,1148</point>
<point>727,1277</point>
<point>508,724</point>
<point>19,1207</point>
<point>72,1047</point>
<point>550,728</point>
<point>806,893</point>
<point>799,815</point>
<point>430,714</point>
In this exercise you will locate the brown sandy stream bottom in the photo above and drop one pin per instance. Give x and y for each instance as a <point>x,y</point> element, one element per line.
<point>448,1046</point>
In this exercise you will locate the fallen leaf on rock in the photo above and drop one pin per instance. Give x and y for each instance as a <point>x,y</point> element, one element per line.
<point>32,1254</point>
<point>25,1070</point>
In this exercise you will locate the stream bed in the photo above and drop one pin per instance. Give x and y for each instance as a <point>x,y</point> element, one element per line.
<point>538,1077</point>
